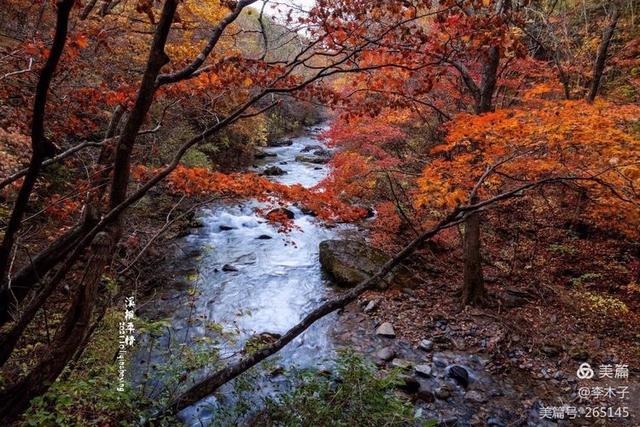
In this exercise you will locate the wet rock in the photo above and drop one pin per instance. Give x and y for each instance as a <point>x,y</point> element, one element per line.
<point>371,305</point>
<point>289,213</point>
<point>403,364</point>
<point>322,152</point>
<point>308,211</point>
<point>424,370</point>
<point>475,396</point>
<point>426,345</point>
<point>196,223</point>
<point>263,155</point>
<point>386,354</point>
<point>229,268</point>
<point>386,330</point>
<point>443,392</point>
<point>278,370</point>
<point>551,350</point>
<point>317,168</point>
<point>281,143</point>
<point>425,393</point>
<point>225,228</point>
<point>310,148</point>
<point>349,262</point>
<point>264,237</point>
<point>274,171</point>
<point>312,159</point>
<point>409,384</point>
<point>439,361</point>
<point>459,374</point>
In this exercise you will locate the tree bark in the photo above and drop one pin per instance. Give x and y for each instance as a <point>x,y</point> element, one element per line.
<point>601,57</point>
<point>157,59</point>
<point>14,400</point>
<point>473,291</point>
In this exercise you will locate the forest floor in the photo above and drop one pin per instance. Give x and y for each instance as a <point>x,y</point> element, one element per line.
<point>523,348</point>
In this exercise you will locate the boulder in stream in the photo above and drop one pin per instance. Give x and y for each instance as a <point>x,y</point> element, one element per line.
<point>281,143</point>
<point>263,155</point>
<point>319,160</point>
<point>274,171</point>
<point>349,262</point>
<point>229,268</point>
<point>310,148</point>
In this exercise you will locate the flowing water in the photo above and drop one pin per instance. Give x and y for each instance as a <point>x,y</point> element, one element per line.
<point>277,280</point>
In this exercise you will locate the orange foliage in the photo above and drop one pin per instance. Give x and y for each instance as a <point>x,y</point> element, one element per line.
<point>202,181</point>
<point>543,139</point>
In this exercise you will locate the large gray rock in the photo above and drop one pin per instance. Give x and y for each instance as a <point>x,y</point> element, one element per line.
<point>349,262</point>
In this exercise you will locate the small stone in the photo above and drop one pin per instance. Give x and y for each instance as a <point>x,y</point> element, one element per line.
<point>460,375</point>
<point>386,330</point>
<point>225,228</point>
<point>442,393</point>
<point>559,375</point>
<point>475,396</point>
<point>229,268</point>
<point>424,370</point>
<point>425,345</point>
<point>371,305</point>
<point>264,237</point>
<point>386,354</point>
<point>401,363</point>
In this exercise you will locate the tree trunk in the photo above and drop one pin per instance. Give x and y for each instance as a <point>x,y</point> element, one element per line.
<point>41,147</point>
<point>15,399</point>
<point>473,291</point>
<point>601,57</point>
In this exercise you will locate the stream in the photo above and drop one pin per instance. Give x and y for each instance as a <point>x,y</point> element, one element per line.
<point>245,278</point>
